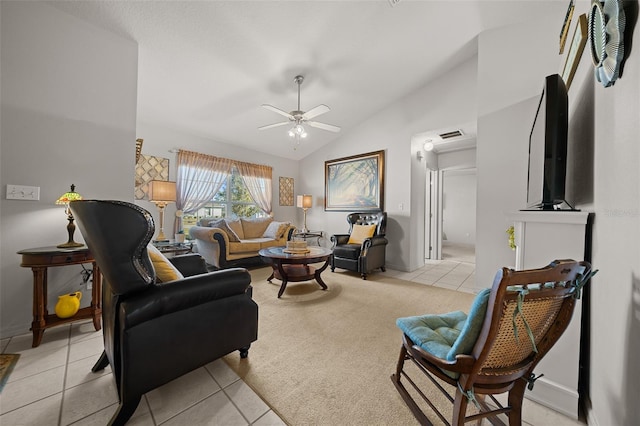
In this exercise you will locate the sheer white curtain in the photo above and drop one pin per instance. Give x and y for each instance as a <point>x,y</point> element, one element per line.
<point>199,178</point>
<point>257,179</point>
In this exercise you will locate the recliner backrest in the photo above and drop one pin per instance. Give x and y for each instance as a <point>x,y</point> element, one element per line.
<point>119,244</point>
<point>373,218</point>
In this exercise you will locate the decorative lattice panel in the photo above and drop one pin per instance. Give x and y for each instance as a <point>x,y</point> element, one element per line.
<point>149,168</point>
<point>286,191</point>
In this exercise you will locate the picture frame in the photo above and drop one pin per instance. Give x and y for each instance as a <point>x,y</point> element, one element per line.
<point>355,183</point>
<point>578,43</point>
<point>565,26</point>
<point>149,168</point>
<point>286,191</point>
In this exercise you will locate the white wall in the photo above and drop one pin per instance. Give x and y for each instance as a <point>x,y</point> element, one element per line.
<point>441,103</point>
<point>68,116</point>
<point>459,206</point>
<point>159,141</point>
<point>615,291</point>
<point>602,177</point>
<point>512,64</point>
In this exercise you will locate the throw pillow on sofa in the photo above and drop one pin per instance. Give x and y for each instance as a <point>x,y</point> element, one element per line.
<point>222,224</point>
<point>254,228</point>
<point>276,230</point>
<point>236,225</point>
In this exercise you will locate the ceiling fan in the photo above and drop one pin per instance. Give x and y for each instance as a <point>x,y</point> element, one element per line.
<point>298,117</point>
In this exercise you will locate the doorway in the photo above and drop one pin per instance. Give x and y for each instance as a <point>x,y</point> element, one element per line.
<point>450,225</point>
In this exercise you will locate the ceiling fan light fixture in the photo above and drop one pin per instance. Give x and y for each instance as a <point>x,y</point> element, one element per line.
<point>298,117</point>
<point>297,132</point>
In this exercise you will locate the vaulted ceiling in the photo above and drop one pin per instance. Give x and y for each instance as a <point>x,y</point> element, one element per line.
<point>206,67</point>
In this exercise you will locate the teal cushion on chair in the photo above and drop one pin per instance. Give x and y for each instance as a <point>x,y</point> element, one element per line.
<point>450,334</point>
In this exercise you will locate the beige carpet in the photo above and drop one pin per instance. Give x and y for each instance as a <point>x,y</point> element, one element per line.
<point>325,357</point>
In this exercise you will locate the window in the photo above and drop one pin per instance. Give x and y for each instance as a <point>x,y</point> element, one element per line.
<point>232,200</point>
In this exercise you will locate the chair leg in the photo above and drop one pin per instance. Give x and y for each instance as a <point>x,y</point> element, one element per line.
<point>101,364</point>
<point>125,411</point>
<point>516,395</point>
<point>459,409</point>
<point>383,269</point>
<point>244,352</point>
<point>364,275</point>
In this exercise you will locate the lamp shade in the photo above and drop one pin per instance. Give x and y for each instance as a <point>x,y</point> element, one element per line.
<point>67,197</point>
<point>162,190</point>
<point>304,201</point>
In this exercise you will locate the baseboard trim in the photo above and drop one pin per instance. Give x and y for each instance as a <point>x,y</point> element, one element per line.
<point>591,416</point>
<point>555,396</point>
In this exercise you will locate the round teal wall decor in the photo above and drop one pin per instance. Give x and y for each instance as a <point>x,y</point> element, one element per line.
<point>606,39</point>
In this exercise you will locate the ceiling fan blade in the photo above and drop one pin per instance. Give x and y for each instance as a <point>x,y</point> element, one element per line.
<point>314,112</point>
<point>324,126</point>
<point>270,126</point>
<point>278,111</point>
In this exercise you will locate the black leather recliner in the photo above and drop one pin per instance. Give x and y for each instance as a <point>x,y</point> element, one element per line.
<point>154,333</point>
<point>365,257</point>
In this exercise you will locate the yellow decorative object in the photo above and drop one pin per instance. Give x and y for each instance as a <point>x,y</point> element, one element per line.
<point>512,237</point>
<point>359,233</point>
<point>68,304</point>
<point>165,271</point>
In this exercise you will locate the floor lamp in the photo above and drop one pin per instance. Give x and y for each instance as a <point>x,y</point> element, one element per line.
<point>305,202</point>
<point>161,193</point>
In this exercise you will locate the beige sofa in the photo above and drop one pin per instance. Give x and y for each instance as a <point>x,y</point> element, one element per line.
<point>226,243</point>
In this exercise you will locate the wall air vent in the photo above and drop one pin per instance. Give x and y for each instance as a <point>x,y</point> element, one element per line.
<point>452,134</point>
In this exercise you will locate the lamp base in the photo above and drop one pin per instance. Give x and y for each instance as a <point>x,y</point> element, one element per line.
<point>70,244</point>
<point>71,228</point>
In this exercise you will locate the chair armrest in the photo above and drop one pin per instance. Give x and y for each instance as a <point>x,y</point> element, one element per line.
<point>462,364</point>
<point>178,295</point>
<point>189,264</point>
<point>376,240</point>
<point>339,239</point>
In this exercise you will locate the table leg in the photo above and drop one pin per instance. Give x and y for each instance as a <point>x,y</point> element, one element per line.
<point>39,304</point>
<point>283,274</point>
<point>319,271</point>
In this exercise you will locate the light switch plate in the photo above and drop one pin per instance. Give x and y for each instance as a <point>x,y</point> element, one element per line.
<point>22,192</point>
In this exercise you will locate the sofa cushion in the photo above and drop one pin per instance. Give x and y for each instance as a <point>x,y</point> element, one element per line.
<point>236,225</point>
<point>254,228</point>
<point>359,233</point>
<point>222,224</point>
<point>245,246</point>
<point>165,271</point>
<point>276,230</point>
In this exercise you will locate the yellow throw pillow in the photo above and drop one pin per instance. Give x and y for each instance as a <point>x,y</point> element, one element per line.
<point>165,271</point>
<point>359,233</point>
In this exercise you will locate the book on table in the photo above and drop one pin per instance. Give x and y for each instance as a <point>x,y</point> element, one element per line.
<point>296,247</point>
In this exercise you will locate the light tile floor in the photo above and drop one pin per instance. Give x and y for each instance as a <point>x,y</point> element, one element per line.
<point>53,384</point>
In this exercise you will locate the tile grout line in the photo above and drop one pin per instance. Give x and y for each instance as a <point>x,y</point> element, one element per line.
<point>64,377</point>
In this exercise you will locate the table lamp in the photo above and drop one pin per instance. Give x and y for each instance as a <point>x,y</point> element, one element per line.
<point>64,200</point>
<point>305,202</point>
<point>161,193</point>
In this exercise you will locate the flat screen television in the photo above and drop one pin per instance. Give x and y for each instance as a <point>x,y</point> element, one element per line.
<point>548,147</point>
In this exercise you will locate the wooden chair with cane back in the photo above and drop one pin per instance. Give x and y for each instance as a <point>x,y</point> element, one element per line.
<point>495,348</point>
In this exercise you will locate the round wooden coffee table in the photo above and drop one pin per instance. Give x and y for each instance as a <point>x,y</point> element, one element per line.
<point>295,267</point>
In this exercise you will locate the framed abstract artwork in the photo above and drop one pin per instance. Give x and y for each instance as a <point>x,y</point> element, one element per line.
<point>355,183</point>
<point>286,191</point>
<point>149,168</point>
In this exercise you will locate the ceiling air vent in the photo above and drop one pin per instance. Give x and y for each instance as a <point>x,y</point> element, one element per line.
<point>452,134</point>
